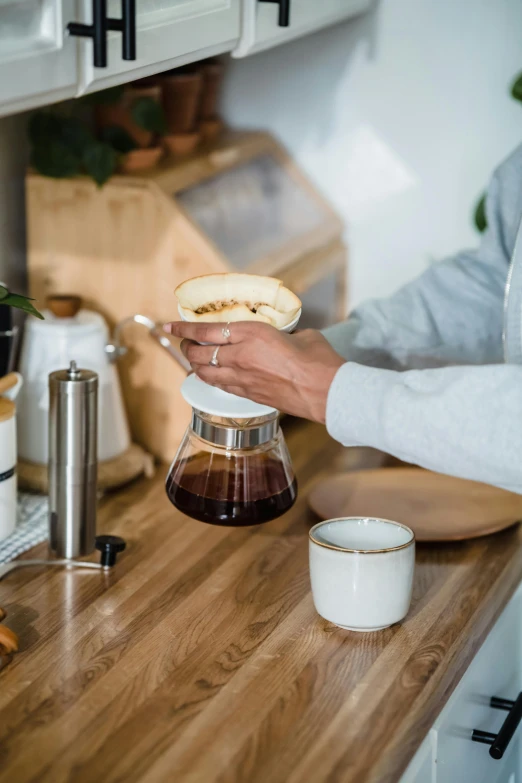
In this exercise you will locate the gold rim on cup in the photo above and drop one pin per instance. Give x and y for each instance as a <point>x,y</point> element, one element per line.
<point>361,551</point>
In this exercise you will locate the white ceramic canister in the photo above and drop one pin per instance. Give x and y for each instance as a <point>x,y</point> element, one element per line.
<point>51,345</point>
<point>8,483</point>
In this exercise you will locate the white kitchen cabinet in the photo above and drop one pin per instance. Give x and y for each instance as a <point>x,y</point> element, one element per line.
<point>421,768</point>
<point>496,670</point>
<point>41,63</point>
<point>37,60</point>
<point>168,33</point>
<point>260,27</point>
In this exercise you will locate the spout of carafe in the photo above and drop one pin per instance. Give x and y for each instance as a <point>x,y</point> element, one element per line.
<point>116,349</point>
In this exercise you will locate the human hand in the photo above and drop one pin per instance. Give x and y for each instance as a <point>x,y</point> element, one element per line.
<point>290,372</point>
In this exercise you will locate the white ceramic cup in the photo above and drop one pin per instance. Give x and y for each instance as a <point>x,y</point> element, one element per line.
<point>362,571</point>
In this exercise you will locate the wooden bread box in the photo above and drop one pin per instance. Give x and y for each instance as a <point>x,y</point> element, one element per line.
<point>241,203</point>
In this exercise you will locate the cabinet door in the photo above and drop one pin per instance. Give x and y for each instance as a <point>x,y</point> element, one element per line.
<point>421,768</point>
<point>37,59</point>
<point>510,771</point>
<point>495,671</point>
<point>260,29</point>
<point>168,33</point>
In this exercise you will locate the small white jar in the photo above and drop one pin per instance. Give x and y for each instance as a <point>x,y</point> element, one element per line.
<point>8,505</point>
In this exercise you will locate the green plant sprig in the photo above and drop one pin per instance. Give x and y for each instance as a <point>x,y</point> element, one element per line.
<point>19,302</point>
<point>65,147</point>
<point>479,214</point>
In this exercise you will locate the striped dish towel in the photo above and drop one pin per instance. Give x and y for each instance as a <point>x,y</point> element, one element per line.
<point>31,528</point>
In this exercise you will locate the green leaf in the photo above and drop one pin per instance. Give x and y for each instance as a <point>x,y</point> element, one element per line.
<point>148,114</point>
<point>516,88</point>
<point>105,97</point>
<point>100,161</point>
<point>22,303</point>
<point>3,292</point>
<point>54,159</point>
<point>118,138</point>
<point>480,215</point>
<point>44,126</point>
<point>75,135</point>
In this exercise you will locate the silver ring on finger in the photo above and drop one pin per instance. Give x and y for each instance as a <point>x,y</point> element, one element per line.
<point>226,331</point>
<point>214,361</point>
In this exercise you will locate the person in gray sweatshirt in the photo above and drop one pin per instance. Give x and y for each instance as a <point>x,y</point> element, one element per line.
<point>431,375</point>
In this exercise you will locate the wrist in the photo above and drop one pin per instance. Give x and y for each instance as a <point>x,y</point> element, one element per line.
<point>327,378</point>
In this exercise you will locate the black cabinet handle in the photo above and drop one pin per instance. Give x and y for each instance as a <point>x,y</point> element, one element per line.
<point>97,31</point>
<point>500,741</point>
<point>284,11</point>
<point>101,24</point>
<point>127,26</point>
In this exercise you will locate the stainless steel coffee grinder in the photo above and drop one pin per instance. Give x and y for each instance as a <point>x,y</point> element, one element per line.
<point>73,475</point>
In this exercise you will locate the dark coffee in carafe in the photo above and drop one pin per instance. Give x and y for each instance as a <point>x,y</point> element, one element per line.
<point>232,466</point>
<point>232,490</point>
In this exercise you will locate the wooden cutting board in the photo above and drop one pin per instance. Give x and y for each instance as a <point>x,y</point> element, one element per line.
<point>436,507</point>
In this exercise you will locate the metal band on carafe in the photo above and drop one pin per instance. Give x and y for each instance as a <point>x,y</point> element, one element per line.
<point>234,437</point>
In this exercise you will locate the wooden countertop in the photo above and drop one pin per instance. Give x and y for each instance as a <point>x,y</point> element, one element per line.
<point>200,658</point>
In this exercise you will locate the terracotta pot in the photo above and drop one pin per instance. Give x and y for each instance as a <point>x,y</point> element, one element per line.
<point>209,129</point>
<point>181,94</point>
<point>180,144</point>
<point>140,159</point>
<point>119,114</point>
<point>212,74</point>
<point>146,82</point>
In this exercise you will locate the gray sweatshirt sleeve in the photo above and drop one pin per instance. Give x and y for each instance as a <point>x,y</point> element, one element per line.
<point>453,313</point>
<point>461,420</point>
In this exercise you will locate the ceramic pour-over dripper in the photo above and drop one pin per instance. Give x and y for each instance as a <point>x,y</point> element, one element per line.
<point>235,296</point>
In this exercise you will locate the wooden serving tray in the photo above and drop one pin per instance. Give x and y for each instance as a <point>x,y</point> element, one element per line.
<point>436,507</point>
<point>112,474</point>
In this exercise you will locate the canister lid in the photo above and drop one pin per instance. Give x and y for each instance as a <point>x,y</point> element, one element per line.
<point>64,305</point>
<point>74,380</point>
<point>7,409</point>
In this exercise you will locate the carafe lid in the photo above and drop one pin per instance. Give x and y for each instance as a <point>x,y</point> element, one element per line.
<point>217,402</point>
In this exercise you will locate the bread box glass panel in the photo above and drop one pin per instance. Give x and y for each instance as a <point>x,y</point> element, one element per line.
<point>253,210</point>
<point>321,304</point>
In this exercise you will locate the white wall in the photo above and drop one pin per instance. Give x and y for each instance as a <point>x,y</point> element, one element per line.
<point>399,117</point>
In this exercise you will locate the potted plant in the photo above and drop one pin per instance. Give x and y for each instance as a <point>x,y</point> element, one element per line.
<point>180,93</point>
<point>131,120</point>
<point>63,145</point>
<point>210,123</point>
<point>123,135</point>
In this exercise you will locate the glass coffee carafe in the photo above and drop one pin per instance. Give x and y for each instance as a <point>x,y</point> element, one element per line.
<point>232,467</point>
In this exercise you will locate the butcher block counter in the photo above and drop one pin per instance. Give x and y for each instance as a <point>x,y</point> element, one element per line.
<point>200,657</point>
